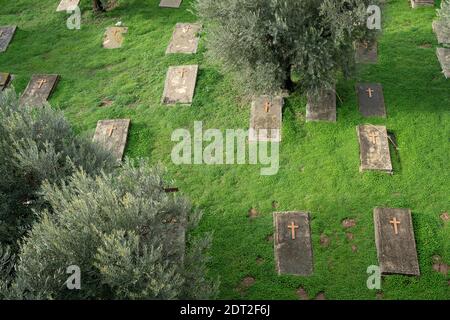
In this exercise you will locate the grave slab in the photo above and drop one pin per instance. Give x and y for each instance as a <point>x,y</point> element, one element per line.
<point>67,5</point>
<point>422,3</point>
<point>170,3</point>
<point>374,148</point>
<point>444,59</point>
<point>322,107</point>
<point>371,99</point>
<point>39,89</point>
<point>395,242</point>
<point>184,38</point>
<point>293,247</point>
<point>112,135</point>
<point>113,38</point>
<point>266,119</point>
<point>443,36</point>
<point>6,35</point>
<point>180,85</point>
<point>5,79</point>
<point>366,52</point>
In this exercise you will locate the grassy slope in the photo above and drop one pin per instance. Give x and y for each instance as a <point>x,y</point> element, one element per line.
<point>319,162</point>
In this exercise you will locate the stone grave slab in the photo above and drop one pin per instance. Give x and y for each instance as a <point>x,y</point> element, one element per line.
<point>293,246</point>
<point>39,89</point>
<point>444,58</point>
<point>442,33</point>
<point>322,107</point>
<point>6,35</point>
<point>112,134</point>
<point>170,3</point>
<point>374,148</point>
<point>113,38</point>
<point>184,38</point>
<point>366,52</point>
<point>266,119</point>
<point>396,245</point>
<point>371,99</point>
<point>66,5</point>
<point>180,85</point>
<point>422,3</point>
<point>5,79</point>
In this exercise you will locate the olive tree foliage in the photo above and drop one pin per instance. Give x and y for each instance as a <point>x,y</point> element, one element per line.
<point>36,144</point>
<point>124,232</point>
<point>267,42</point>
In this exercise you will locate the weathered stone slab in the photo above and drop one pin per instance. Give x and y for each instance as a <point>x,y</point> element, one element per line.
<point>422,3</point>
<point>5,79</point>
<point>322,107</point>
<point>184,38</point>
<point>113,38</point>
<point>366,52</point>
<point>180,85</point>
<point>112,134</point>
<point>374,148</point>
<point>371,99</point>
<point>67,5</point>
<point>6,35</point>
<point>442,32</point>
<point>444,58</point>
<point>394,238</point>
<point>293,248</point>
<point>170,3</point>
<point>39,89</point>
<point>266,119</point>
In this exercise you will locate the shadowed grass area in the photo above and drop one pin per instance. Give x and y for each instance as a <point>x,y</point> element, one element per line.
<point>319,162</point>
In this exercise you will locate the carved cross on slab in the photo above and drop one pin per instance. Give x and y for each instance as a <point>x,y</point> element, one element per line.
<point>267,106</point>
<point>111,130</point>
<point>394,223</point>
<point>373,137</point>
<point>292,226</point>
<point>41,82</point>
<point>182,73</point>
<point>370,92</point>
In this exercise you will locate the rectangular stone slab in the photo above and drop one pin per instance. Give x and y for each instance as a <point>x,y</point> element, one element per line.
<point>266,119</point>
<point>112,134</point>
<point>421,3</point>
<point>113,38</point>
<point>65,5</point>
<point>396,247</point>
<point>5,79</point>
<point>39,89</point>
<point>371,99</point>
<point>322,107</point>
<point>366,52</point>
<point>444,59</point>
<point>170,3</point>
<point>6,35</point>
<point>184,38</point>
<point>293,252</point>
<point>374,148</point>
<point>180,85</point>
<point>443,36</point>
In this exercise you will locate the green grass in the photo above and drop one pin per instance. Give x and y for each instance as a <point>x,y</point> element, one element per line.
<point>319,161</point>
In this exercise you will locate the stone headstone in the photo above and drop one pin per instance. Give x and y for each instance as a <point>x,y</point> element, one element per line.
<point>374,148</point>
<point>5,79</point>
<point>444,58</point>
<point>67,5</point>
<point>442,33</point>
<point>184,38</point>
<point>394,238</point>
<point>39,89</point>
<point>266,119</point>
<point>112,135</point>
<point>366,52</point>
<point>422,3</point>
<point>170,3</point>
<point>371,99</point>
<point>293,248</point>
<point>6,35</point>
<point>180,85</point>
<point>322,107</point>
<point>113,37</point>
